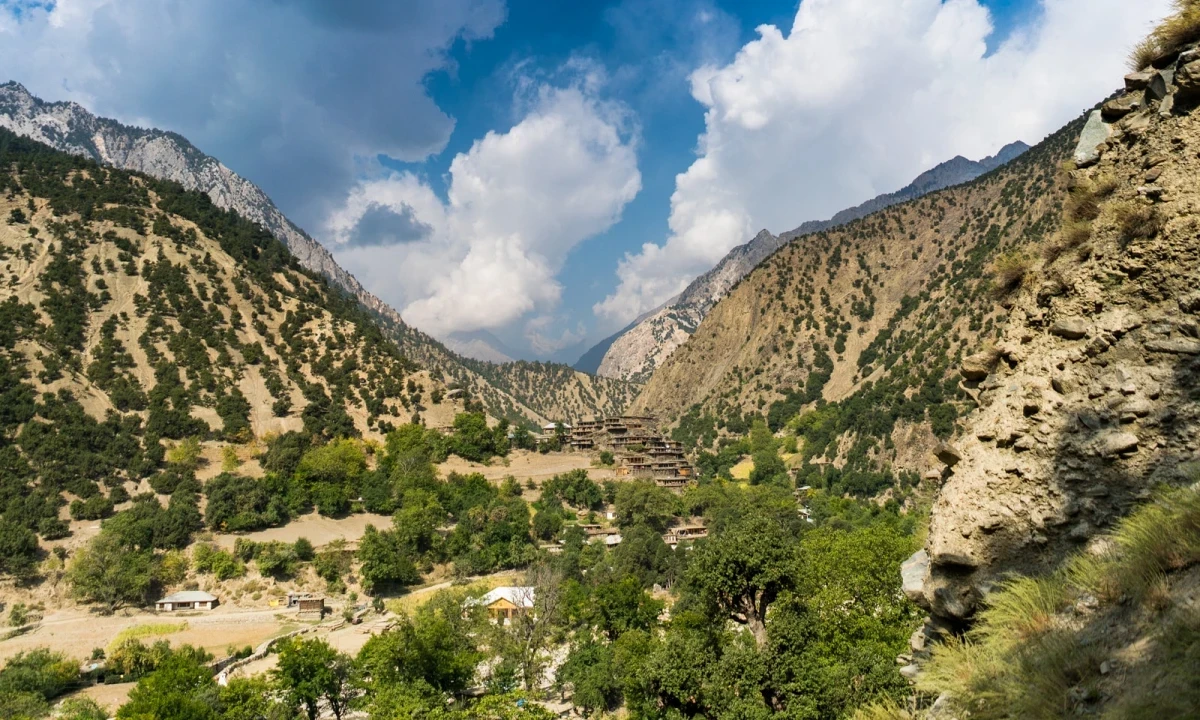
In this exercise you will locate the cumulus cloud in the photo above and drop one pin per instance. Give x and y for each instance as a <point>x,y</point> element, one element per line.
<point>516,204</point>
<point>856,100</point>
<point>287,92</point>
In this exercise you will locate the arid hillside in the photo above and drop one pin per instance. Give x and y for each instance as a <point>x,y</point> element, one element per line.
<point>523,393</point>
<point>131,302</point>
<point>874,316</point>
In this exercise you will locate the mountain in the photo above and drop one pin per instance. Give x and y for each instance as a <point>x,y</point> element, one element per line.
<point>636,351</point>
<point>480,345</point>
<point>873,327</point>
<point>70,128</point>
<point>136,310</point>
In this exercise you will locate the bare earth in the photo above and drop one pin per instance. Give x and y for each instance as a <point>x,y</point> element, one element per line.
<point>525,465</point>
<point>319,530</point>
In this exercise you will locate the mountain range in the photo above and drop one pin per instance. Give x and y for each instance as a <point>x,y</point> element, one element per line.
<point>69,127</point>
<point>635,352</point>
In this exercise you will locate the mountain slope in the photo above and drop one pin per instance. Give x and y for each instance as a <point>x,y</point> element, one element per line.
<point>136,306</point>
<point>638,350</point>
<point>70,128</point>
<point>872,317</point>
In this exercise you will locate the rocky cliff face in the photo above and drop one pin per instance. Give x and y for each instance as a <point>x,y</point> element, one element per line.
<point>71,128</point>
<point>1091,402</point>
<point>644,346</point>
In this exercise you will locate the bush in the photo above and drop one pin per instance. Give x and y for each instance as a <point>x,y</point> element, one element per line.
<point>1177,30</point>
<point>1010,270</point>
<point>1137,221</point>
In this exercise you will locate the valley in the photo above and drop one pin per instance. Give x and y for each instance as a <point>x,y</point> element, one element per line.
<point>937,457</point>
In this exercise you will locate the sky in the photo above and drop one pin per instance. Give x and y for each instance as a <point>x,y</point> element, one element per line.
<point>546,171</point>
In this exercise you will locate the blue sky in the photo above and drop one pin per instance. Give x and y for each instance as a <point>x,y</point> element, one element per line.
<point>545,171</point>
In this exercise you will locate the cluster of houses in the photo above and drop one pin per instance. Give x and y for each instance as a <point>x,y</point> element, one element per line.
<point>641,451</point>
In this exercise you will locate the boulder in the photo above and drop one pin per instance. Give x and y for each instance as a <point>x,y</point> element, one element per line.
<point>1116,443</point>
<point>1094,134</point>
<point>948,454</point>
<point>1119,107</point>
<point>976,367</point>
<point>1187,80</point>
<point>1071,328</point>
<point>1139,80</point>
<point>1176,346</point>
<point>912,575</point>
<point>1160,85</point>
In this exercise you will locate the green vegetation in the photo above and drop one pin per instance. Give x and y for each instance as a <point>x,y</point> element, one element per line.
<point>1038,647</point>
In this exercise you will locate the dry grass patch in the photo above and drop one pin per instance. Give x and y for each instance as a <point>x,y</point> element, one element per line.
<point>1137,221</point>
<point>1031,649</point>
<point>1010,270</point>
<point>1181,28</point>
<point>1071,236</point>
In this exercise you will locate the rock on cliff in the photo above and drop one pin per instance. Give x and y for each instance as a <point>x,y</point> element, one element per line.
<point>1094,403</point>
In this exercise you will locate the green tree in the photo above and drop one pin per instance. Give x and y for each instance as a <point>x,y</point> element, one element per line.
<point>311,672</point>
<point>180,688</point>
<point>109,574</point>
<point>18,550</point>
<point>741,571</point>
<point>331,473</point>
<point>436,648</point>
<point>644,503</point>
<point>40,671</point>
<point>386,561</point>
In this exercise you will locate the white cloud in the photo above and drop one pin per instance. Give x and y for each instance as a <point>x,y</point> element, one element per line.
<point>286,92</point>
<point>859,98</point>
<point>517,203</point>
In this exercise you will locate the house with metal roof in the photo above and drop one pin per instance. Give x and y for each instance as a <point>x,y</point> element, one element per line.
<point>187,600</point>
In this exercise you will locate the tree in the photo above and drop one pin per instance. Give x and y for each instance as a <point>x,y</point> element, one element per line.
<point>742,571</point>
<point>18,550</point>
<point>84,709</point>
<point>644,503</point>
<point>618,606</point>
<point>331,473</point>
<point>180,688</point>
<point>768,468</point>
<point>589,671</point>
<point>40,671</point>
<point>436,648</point>
<point>310,672</point>
<point>386,561</point>
<point>524,641</point>
<point>107,573</point>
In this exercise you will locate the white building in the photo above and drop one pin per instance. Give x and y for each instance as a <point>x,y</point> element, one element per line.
<point>187,600</point>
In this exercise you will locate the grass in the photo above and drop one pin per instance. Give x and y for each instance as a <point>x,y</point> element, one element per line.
<point>1073,234</point>
<point>147,630</point>
<point>1010,270</point>
<point>1137,221</point>
<point>1180,28</point>
<point>1030,651</point>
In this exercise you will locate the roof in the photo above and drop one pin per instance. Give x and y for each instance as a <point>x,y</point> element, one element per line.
<point>189,596</point>
<point>520,596</point>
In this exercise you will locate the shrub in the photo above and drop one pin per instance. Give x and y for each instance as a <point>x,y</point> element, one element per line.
<point>1010,270</point>
<point>1137,221</point>
<point>1073,234</point>
<point>1180,28</point>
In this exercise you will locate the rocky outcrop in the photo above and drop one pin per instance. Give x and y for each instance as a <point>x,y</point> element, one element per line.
<point>1099,406</point>
<point>638,350</point>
